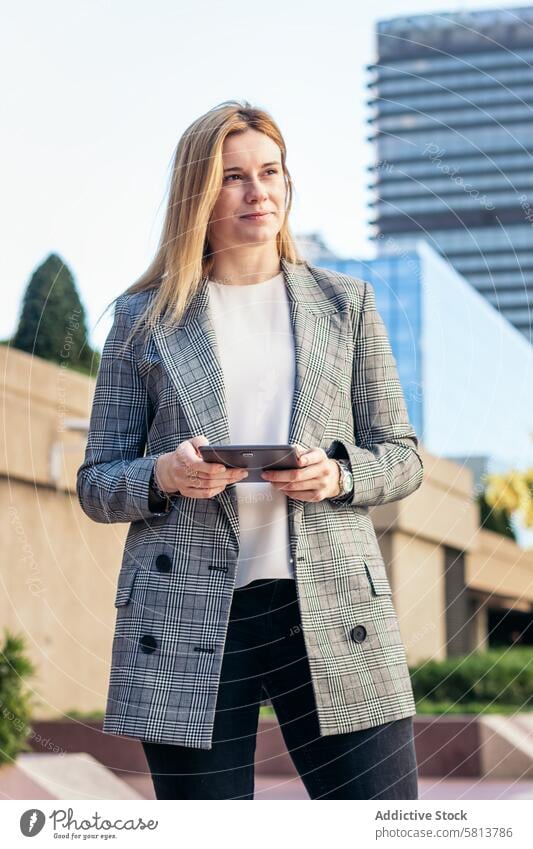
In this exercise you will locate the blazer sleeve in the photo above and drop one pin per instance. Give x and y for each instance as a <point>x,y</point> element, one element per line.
<point>385,462</point>
<point>113,482</point>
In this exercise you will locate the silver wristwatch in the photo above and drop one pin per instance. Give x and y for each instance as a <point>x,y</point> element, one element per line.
<point>345,480</point>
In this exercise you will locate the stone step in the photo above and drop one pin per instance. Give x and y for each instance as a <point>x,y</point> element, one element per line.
<point>506,746</point>
<point>73,776</point>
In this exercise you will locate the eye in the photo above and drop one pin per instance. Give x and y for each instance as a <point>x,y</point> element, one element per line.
<point>268,171</point>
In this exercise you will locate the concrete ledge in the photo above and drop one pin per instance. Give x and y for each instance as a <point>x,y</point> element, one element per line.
<point>460,746</point>
<point>74,776</point>
<point>16,784</point>
<point>448,746</point>
<point>445,746</point>
<point>507,746</point>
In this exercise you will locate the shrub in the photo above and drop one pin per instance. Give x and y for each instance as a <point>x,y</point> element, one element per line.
<point>494,677</point>
<point>425,707</point>
<point>16,701</point>
<point>84,715</point>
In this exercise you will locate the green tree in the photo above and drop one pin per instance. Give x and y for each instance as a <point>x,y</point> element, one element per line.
<point>52,321</point>
<point>494,519</point>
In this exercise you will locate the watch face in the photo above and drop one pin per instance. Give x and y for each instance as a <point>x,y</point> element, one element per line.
<point>348,481</point>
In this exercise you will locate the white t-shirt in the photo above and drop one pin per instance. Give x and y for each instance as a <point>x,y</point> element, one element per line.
<point>256,348</point>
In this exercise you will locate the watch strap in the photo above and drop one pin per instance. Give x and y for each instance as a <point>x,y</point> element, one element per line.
<point>343,466</point>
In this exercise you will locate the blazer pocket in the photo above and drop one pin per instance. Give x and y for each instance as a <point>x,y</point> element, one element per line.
<point>377,576</point>
<point>126,579</point>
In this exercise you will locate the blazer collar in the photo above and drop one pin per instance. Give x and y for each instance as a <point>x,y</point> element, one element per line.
<point>302,289</point>
<point>189,352</point>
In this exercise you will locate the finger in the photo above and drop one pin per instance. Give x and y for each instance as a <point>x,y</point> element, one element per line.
<point>203,489</point>
<point>187,453</point>
<point>305,495</point>
<point>295,486</point>
<point>288,475</point>
<point>226,473</point>
<point>193,461</point>
<point>214,468</point>
<point>275,477</point>
<point>212,476</point>
<point>309,458</point>
<point>199,440</point>
<point>207,470</point>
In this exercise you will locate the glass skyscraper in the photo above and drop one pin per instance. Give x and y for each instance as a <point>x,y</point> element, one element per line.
<point>466,373</point>
<point>452,101</point>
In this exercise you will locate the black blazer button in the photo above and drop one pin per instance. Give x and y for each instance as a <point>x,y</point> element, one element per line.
<point>358,633</point>
<point>148,644</point>
<point>163,563</point>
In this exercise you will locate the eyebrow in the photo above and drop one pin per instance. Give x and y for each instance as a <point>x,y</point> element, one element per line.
<point>264,165</point>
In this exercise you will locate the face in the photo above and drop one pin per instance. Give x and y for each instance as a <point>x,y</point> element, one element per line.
<point>250,208</point>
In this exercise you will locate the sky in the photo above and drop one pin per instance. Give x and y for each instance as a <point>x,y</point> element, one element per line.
<point>97,94</point>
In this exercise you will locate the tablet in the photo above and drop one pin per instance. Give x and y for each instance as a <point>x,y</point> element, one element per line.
<point>255,458</point>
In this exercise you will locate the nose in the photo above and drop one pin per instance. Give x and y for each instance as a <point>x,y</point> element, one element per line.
<point>255,190</point>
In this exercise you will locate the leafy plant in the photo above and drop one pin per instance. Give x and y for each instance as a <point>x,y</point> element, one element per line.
<point>84,715</point>
<point>494,518</point>
<point>16,701</point>
<point>494,679</point>
<point>450,708</point>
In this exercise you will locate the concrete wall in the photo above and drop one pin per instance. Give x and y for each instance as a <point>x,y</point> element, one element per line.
<point>57,568</point>
<point>414,535</point>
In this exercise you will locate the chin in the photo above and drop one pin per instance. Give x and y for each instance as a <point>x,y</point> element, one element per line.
<point>259,238</point>
<point>262,233</point>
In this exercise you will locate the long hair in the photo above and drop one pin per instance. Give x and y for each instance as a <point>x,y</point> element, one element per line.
<point>183,256</point>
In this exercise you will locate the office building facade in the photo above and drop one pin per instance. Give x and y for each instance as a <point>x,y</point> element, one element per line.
<point>452,115</point>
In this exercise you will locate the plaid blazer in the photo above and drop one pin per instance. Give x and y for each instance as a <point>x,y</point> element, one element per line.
<point>176,580</point>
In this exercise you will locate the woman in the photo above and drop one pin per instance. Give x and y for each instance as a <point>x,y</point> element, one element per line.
<point>232,591</point>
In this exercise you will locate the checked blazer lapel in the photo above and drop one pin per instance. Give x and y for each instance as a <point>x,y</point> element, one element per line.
<point>190,354</point>
<point>320,341</point>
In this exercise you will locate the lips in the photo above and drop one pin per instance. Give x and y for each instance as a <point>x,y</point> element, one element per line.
<point>255,215</point>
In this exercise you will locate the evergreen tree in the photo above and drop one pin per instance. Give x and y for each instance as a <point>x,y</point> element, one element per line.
<point>52,321</point>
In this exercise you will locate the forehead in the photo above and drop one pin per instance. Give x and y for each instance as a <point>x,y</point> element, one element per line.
<point>250,146</point>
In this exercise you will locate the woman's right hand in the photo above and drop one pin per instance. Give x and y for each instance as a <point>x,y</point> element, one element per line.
<point>183,472</point>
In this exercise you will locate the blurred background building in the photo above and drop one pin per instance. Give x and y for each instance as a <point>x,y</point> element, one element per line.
<point>451,100</point>
<point>465,371</point>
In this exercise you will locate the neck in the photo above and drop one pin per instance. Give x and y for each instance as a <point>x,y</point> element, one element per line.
<point>238,268</point>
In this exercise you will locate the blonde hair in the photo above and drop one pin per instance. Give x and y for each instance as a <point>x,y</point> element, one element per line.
<point>182,259</point>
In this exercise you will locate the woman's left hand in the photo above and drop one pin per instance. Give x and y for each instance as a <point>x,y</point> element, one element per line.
<point>317,479</point>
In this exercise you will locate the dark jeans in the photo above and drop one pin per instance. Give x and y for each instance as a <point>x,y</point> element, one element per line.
<point>265,649</point>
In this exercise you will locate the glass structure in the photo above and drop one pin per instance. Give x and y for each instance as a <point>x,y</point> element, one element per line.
<point>465,371</point>
<point>452,115</point>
